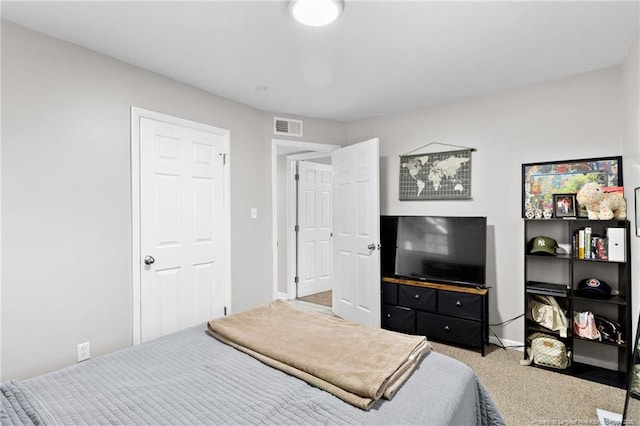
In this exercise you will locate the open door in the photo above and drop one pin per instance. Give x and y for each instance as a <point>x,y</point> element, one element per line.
<point>356,235</point>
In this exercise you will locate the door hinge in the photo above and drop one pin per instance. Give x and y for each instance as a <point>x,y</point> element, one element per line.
<point>297,176</point>
<point>224,159</point>
<point>296,228</point>
<point>295,279</point>
<point>225,311</point>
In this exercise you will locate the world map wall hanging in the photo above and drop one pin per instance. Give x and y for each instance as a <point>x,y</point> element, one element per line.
<point>436,176</point>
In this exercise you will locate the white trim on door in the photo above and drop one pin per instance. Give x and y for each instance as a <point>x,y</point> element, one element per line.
<point>136,115</point>
<point>292,220</point>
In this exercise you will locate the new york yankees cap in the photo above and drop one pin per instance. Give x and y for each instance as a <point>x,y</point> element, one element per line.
<point>542,245</point>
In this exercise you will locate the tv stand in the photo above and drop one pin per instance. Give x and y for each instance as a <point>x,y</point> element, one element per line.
<point>457,314</point>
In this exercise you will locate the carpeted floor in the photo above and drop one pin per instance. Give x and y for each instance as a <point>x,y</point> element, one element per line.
<point>323,298</point>
<point>526,395</point>
<point>529,395</point>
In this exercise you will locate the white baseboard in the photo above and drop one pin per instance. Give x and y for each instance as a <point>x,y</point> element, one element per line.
<point>509,344</point>
<point>282,295</point>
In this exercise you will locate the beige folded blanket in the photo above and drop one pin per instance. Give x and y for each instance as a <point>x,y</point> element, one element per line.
<point>358,364</point>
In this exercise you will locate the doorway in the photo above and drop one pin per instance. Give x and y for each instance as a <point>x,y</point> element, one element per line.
<point>355,239</point>
<point>285,156</point>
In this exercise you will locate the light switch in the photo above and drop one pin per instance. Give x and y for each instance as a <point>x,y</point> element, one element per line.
<point>254,213</point>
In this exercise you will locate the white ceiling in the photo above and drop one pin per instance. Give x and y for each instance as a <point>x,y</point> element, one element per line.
<point>379,57</point>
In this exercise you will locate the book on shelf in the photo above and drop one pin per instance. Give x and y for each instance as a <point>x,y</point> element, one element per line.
<point>581,244</point>
<point>587,242</point>
<point>600,248</point>
<point>587,245</point>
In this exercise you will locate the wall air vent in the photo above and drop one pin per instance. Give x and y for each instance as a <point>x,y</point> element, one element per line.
<point>287,126</point>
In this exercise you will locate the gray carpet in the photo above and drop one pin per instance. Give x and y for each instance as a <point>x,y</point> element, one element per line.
<point>526,395</point>
<point>530,395</point>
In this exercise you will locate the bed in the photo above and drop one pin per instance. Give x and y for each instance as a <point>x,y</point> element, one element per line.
<point>190,377</point>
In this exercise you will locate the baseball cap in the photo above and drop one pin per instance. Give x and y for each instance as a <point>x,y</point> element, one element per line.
<point>542,245</point>
<point>594,288</point>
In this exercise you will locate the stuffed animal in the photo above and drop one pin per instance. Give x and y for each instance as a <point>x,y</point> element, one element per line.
<point>600,204</point>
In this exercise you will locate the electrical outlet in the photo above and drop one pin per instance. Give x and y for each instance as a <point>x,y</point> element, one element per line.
<point>84,351</point>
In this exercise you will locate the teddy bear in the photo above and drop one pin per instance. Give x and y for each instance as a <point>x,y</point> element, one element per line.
<point>600,204</point>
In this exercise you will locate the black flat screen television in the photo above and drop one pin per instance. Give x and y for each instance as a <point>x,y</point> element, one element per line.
<point>438,249</point>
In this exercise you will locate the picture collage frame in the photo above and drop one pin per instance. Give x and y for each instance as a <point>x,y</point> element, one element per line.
<point>545,183</point>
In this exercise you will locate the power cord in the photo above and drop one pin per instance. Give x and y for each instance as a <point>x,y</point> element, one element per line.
<point>502,345</point>
<point>506,322</point>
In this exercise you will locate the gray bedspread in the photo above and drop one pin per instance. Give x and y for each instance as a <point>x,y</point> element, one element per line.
<point>191,378</point>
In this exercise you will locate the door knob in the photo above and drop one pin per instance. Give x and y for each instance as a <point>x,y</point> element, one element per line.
<point>148,260</point>
<point>371,246</point>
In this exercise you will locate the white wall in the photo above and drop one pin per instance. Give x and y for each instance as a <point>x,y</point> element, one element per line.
<point>65,182</point>
<point>571,118</point>
<point>66,267</point>
<point>630,128</point>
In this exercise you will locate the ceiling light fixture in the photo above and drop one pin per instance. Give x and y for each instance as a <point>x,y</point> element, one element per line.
<point>315,13</point>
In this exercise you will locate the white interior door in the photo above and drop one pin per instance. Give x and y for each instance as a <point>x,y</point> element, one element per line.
<point>182,226</point>
<point>356,239</point>
<point>314,228</point>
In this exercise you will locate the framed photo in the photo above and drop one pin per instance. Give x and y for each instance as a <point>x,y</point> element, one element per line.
<point>541,181</point>
<point>564,205</point>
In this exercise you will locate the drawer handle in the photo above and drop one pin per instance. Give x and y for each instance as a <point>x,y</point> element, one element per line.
<point>458,303</point>
<point>447,328</point>
<point>388,315</point>
<point>417,296</point>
